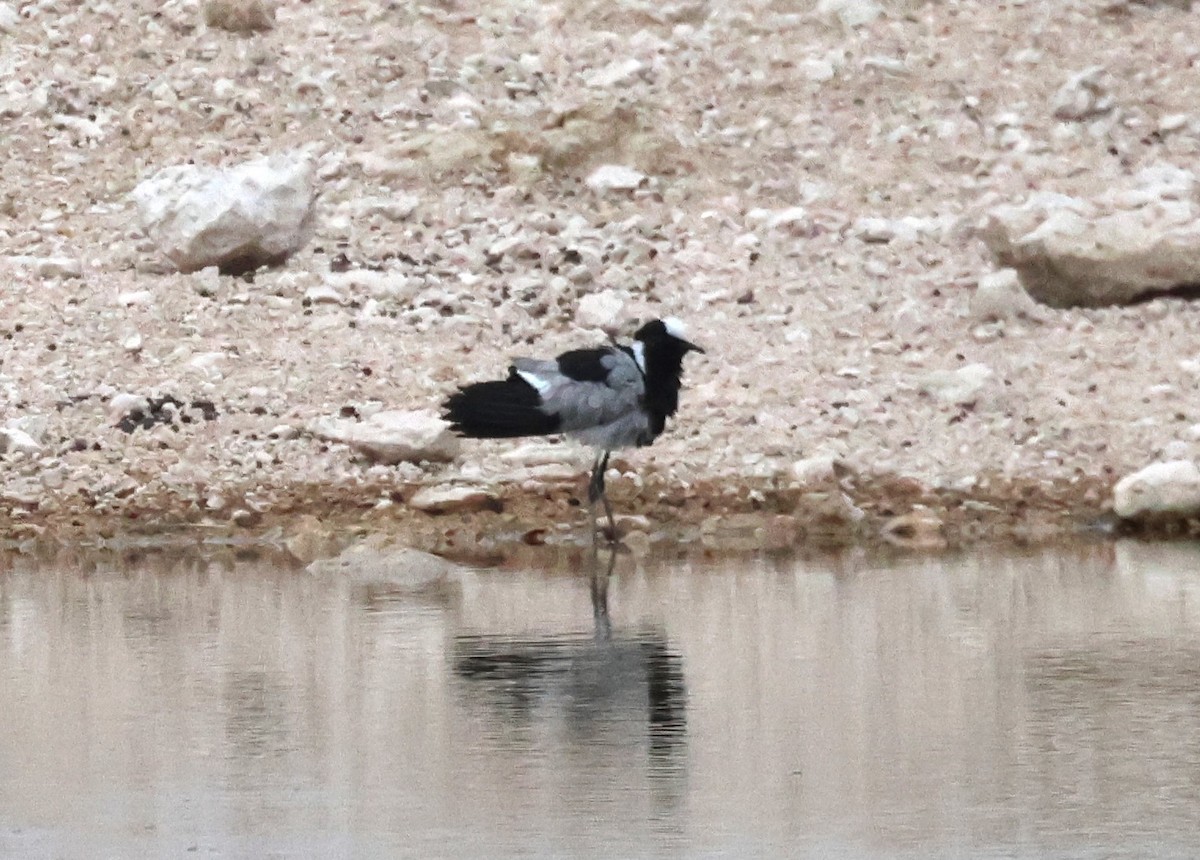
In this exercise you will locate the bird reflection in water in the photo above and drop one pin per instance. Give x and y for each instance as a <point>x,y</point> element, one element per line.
<point>619,689</point>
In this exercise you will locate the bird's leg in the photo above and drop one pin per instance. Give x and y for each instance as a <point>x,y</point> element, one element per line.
<point>599,591</point>
<point>596,493</point>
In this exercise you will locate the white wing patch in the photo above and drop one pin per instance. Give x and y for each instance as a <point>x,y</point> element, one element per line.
<point>639,355</point>
<point>541,386</point>
<point>675,328</point>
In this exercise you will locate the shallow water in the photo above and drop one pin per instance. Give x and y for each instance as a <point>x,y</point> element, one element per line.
<point>1044,705</point>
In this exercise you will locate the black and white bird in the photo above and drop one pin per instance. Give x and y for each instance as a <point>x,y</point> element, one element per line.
<point>609,397</point>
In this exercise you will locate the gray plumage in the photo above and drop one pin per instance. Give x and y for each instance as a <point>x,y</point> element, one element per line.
<point>606,414</point>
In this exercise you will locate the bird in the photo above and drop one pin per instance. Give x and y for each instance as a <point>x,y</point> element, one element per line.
<point>609,397</point>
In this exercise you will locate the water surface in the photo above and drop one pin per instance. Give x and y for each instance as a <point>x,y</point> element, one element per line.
<point>1041,705</point>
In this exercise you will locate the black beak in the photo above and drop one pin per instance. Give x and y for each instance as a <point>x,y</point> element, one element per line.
<point>690,347</point>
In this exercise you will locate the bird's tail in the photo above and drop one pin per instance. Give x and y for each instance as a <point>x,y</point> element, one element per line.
<point>498,410</point>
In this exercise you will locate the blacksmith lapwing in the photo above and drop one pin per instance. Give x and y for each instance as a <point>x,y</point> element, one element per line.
<point>609,397</point>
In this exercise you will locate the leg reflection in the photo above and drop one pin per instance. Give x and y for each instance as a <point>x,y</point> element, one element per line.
<point>601,574</point>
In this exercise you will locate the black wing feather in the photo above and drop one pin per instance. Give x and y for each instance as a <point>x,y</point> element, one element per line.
<point>503,409</point>
<point>584,365</point>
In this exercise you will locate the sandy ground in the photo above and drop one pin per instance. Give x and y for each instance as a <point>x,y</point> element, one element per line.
<point>457,230</point>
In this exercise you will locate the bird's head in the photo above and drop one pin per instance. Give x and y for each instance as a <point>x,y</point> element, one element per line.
<point>666,335</point>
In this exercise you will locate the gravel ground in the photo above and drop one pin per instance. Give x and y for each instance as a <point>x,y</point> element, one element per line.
<point>810,209</point>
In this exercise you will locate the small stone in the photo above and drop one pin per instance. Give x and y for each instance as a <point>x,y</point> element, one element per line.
<point>126,403</point>
<point>960,386</point>
<point>308,538</point>
<point>792,219</point>
<point>851,13</point>
<point>633,522</point>
<point>207,281</point>
<point>815,470</point>
<point>817,70</point>
<point>888,65</point>
<point>240,16</point>
<point>600,310</point>
<point>13,440</point>
<point>244,518</point>
<point>1173,122</point>
<point>875,230</point>
<point>132,298</point>
<point>615,73</point>
<point>323,294</point>
<point>1176,449</point>
<point>919,530</point>
<point>1084,95</point>
<point>453,500</point>
<point>615,177</point>
<point>392,208</point>
<point>9,19</point>
<point>58,267</point>
<point>1000,296</point>
<point>132,344</point>
<point>636,541</point>
<point>1171,487</point>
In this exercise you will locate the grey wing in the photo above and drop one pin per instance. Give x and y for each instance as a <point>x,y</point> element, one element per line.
<point>579,403</point>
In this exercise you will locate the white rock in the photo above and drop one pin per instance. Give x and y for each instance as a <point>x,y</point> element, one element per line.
<point>206,281</point>
<point>600,310</point>
<point>120,405</point>
<point>1084,95</point>
<point>323,294</point>
<point>392,208</point>
<point>130,298</point>
<point>789,219</point>
<point>449,500</point>
<point>257,213</point>
<point>133,343</point>
<point>1173,122</point>
<point>58,267</point>
<point>1172,487</point>
<point>956,386</point>
<point>393,436</point>
<point>1000,296</point>
<point>875,229</point>
<point>1176,449</point>
<point>816,69</point>
<point>906,230</point>
<point>536,454</point>
<point>816,469</point>
<point>49,267</point>
<point>13,439</point>
<point>616,72</point>
<point>396,568</point>
<point>615,177</point>
<point>852,13</point>
<point>1123,246</point>
<point>9,19</point>
<point>888,65</point>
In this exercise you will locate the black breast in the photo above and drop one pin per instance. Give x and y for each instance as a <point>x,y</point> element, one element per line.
<point>664,367</point>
